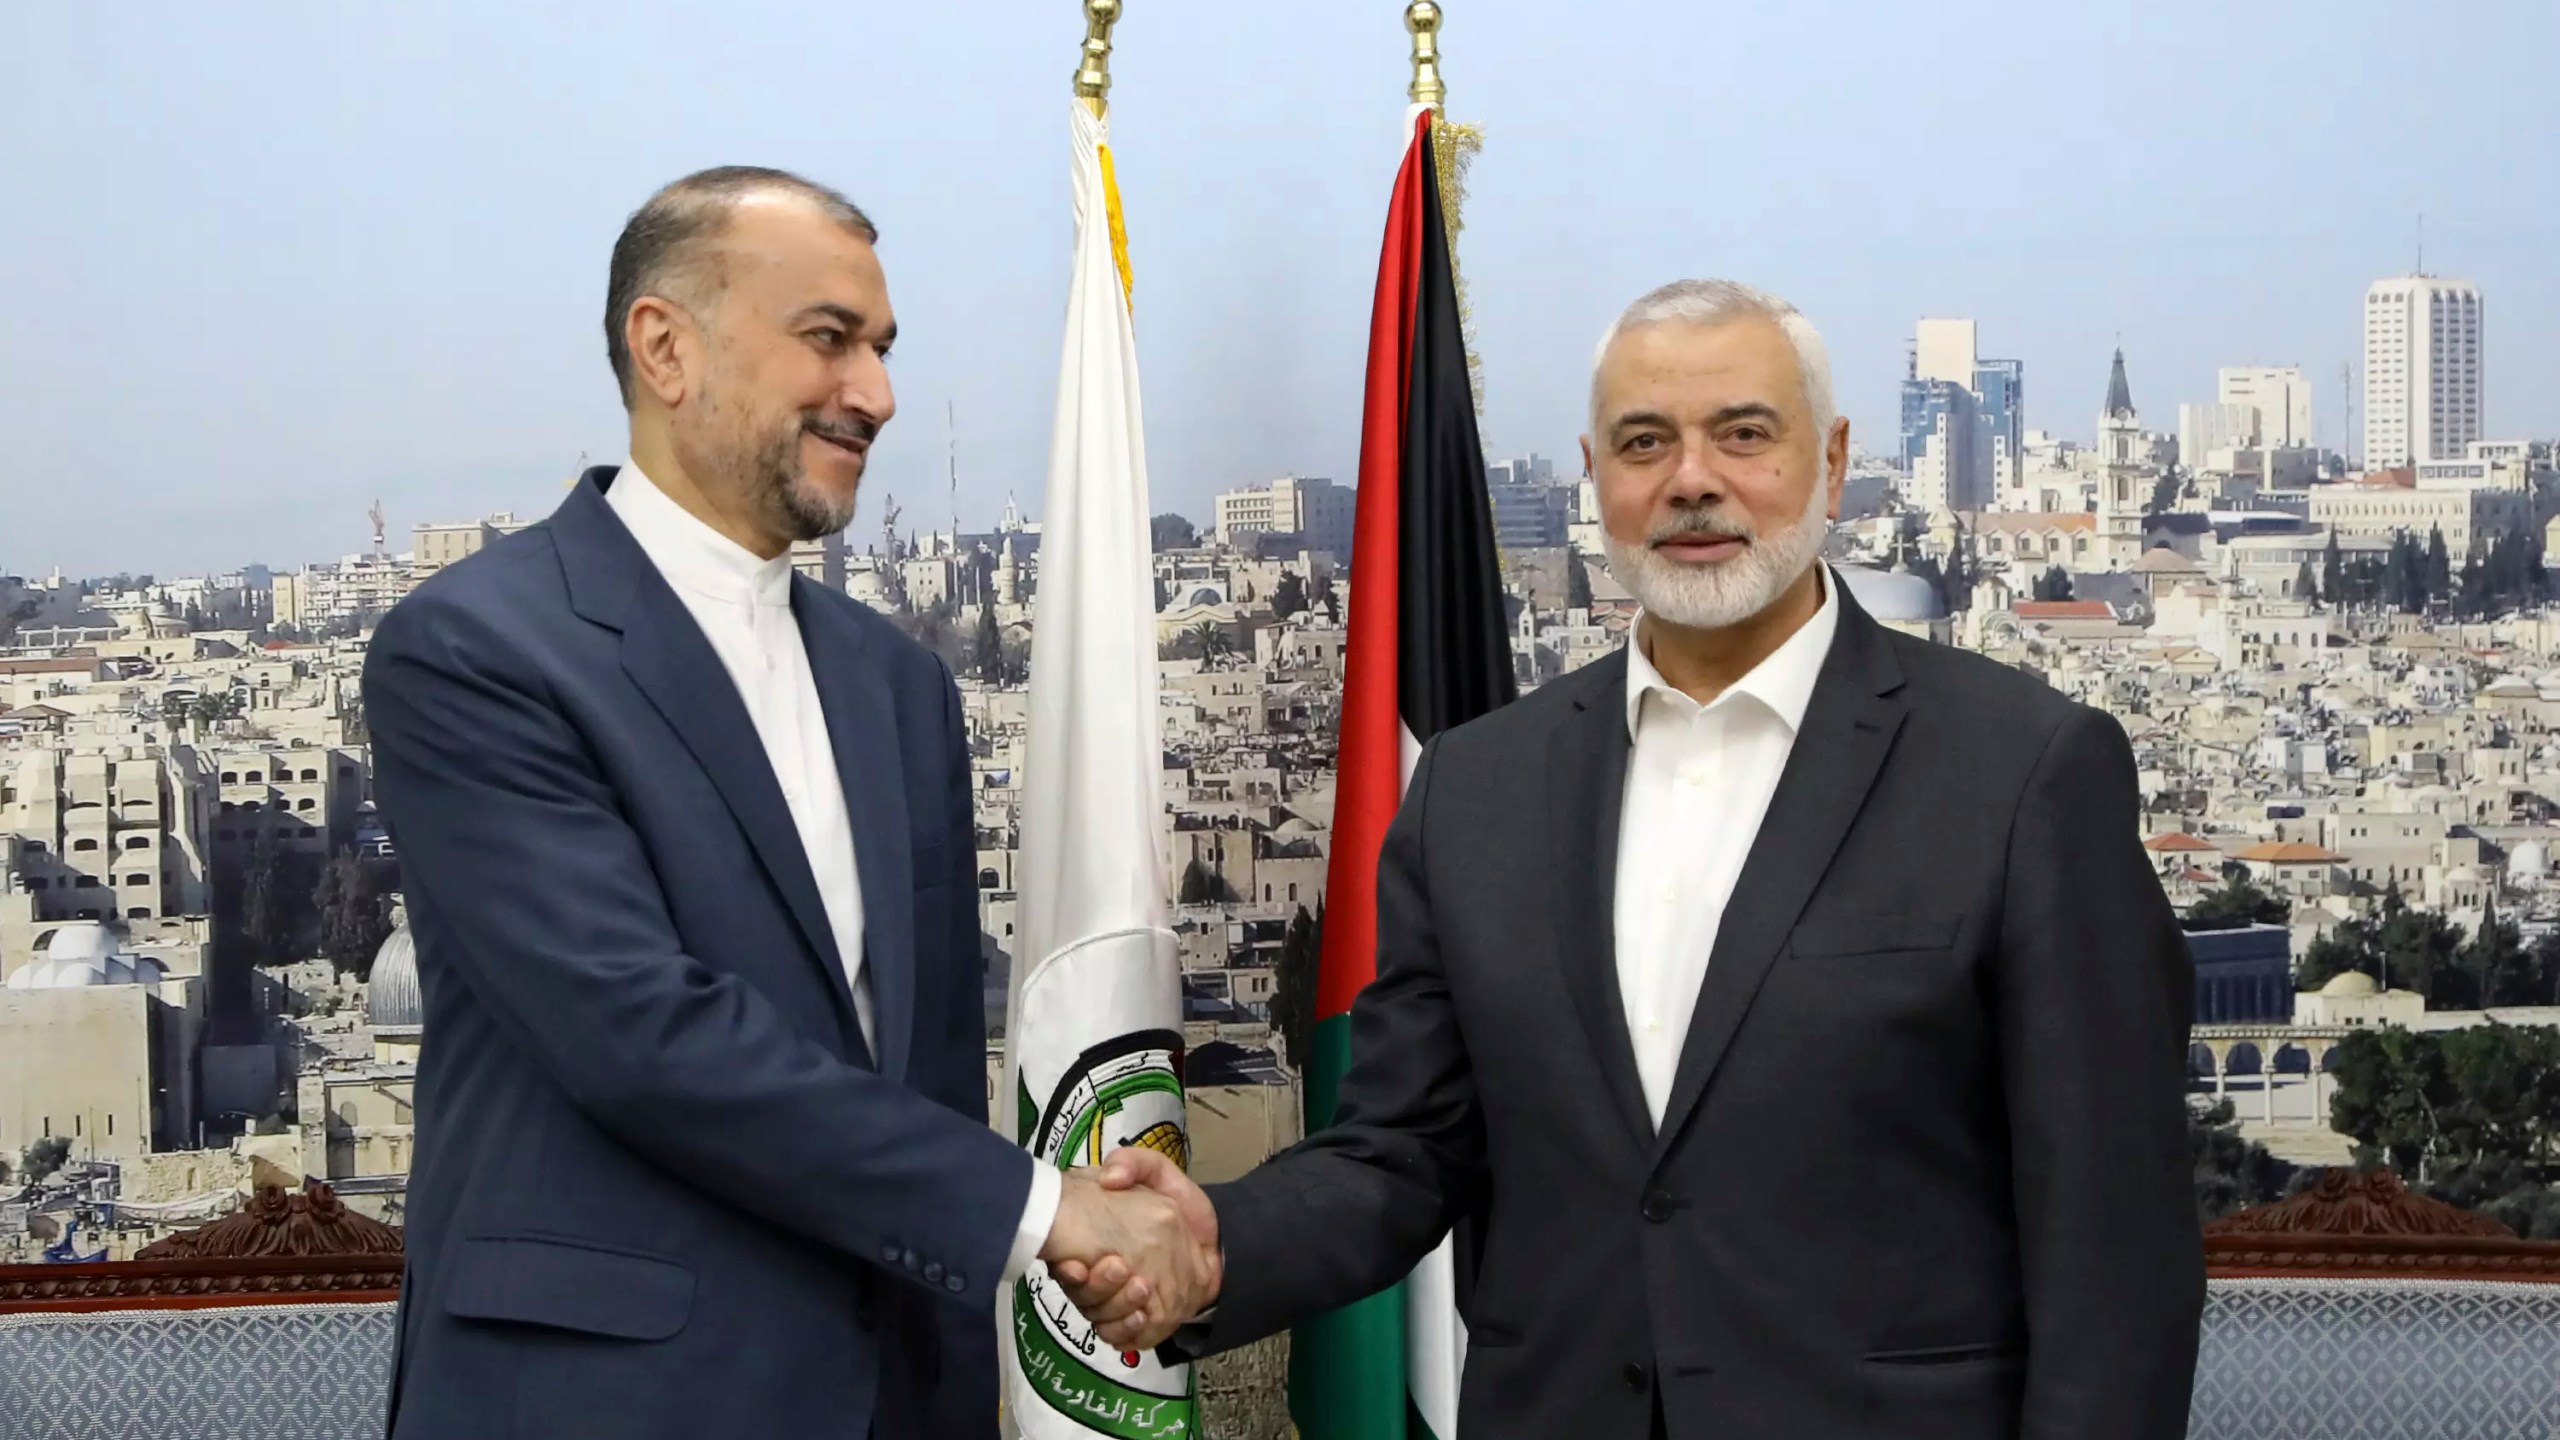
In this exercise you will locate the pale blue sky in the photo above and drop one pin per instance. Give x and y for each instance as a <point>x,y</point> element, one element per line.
<point>269,262</point>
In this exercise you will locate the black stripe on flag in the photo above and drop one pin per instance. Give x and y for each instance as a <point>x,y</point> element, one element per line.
<point>1453,642</point>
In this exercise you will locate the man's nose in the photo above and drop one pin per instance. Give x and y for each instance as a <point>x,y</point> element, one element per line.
<point>867,390</point>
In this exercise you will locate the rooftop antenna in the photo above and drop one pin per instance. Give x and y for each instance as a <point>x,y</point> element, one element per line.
<point>380,551</point>
<point>2422,244</point>
<point>951,435</point>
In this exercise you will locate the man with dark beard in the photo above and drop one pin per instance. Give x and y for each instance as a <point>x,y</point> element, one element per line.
<point>1788,1000</point>
<point>688,851</point>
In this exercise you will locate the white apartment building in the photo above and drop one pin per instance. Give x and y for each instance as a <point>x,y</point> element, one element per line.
<point>2204,429</point>
<point>1317,510</point>
<point>2421,370</point>
<point>358,586</point>
<point>2281,396</point>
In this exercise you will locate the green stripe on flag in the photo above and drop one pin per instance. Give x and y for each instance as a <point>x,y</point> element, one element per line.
<point>1346,1369</point>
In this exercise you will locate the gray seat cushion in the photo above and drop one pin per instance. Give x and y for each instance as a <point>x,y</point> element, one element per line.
<point>267,1372</point>
<point>2378,1360</point>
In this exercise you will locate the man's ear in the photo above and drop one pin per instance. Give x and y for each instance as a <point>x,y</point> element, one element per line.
<point>666,350</point>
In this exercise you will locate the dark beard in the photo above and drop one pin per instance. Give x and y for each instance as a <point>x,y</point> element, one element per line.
<point>782,494</point>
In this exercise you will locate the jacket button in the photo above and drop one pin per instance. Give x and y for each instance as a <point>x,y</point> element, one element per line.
<point>890,1252</point>
<point>933,1272</point>
<point>912,1261</point>
<point>955,1283</point>
<point>1657,1205</point>
<point>1638,1378</point>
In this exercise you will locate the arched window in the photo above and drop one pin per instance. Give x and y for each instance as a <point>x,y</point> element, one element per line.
<point>84,844</point>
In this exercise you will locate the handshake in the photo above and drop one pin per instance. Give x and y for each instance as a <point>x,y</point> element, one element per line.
<point>1135,1247</point>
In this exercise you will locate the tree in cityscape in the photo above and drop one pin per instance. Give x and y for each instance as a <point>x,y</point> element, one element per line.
<point>2333,573</point>
<point>265,926</point>
<point>214,706</point>
<point>1212,640</point>
<point>1171,532</point>
<point>7,1169</point>
<point>2239,902</point>
<point>2306,583</point>
<point>2350,946</point>
<point>38,1162</point>
<point>990,647</point>
<point>2439,564</point>
<point>355,916</point>
<point>1203,886</point>
<point>2164,493</point>
<point>2231,1173</point>
<point>1577,583</point>
<point>1293,984</point>
<point>17,615</point>
<point>2467,1115</point>
<point>1289,597</point>
<point>2053,584</point>
<point>2400,947</point>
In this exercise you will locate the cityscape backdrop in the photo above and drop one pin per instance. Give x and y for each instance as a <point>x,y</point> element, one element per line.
<point>275,263</point>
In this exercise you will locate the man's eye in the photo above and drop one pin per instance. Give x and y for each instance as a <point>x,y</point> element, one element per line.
<point>1644,442</point>
<point>829,337</point>
<point>1748,435</point>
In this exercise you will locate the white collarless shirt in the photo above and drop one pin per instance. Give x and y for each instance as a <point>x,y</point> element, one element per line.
<point>1698,784</point>
<point>742,602</point>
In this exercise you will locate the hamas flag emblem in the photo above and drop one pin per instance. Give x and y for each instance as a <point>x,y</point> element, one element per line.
<point>1124,1091</point>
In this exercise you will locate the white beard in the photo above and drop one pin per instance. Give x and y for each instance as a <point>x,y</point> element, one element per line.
<point>1727,592</point>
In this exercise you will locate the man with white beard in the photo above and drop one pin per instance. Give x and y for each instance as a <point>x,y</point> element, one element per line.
<point>1788,1000</point>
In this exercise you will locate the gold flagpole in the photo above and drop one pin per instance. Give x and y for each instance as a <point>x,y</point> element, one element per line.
<point>1422,19</point>
<point>1093,73</point>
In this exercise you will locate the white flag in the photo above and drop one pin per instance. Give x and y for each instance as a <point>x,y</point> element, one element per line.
<point>1095,1039</point>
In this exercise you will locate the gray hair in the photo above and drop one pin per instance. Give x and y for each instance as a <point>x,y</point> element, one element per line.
<point>668,247</point>
<point>1714,302</point>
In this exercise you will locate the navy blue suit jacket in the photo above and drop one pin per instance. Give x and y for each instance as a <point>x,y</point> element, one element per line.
<point>662,1187</point>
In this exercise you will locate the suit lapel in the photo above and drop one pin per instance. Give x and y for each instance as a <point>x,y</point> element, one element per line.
<point>862,730</point>
<point>1586,784</point>
<point>1849,727</point>
<point>666,655</point>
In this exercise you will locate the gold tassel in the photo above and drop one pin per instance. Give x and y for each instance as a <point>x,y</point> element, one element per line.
<point>1454,147</point>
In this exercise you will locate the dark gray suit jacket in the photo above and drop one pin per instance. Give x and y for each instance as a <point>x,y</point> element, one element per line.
<point>663,1188</point>
<point>1924,1170</point>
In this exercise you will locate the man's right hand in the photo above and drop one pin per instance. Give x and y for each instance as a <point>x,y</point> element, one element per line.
<point>1135,1246</point>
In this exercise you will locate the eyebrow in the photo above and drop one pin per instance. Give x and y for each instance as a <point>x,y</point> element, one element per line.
<point>1748,410</point>
<point>846,316</point>
<point>1751,410</point>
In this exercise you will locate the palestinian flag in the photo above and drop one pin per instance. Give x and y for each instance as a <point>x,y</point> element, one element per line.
<point>1428,649</point>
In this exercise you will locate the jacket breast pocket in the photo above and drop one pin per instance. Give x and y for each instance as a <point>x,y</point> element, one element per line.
<point>1840,935</point>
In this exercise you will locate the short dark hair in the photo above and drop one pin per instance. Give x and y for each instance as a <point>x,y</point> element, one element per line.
<point>665,248</point>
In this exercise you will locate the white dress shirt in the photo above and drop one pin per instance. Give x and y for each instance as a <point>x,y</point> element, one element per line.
<point>1698,784</point>
<point>743,604</point>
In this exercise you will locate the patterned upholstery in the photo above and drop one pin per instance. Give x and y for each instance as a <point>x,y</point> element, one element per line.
<point>266,1372</point>
<point>2378,1360</point>
<point>2282,1360</point>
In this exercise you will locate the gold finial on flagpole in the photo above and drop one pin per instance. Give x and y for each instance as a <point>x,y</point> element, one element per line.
<point>1093,75</point>
<point>1423,19</point>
